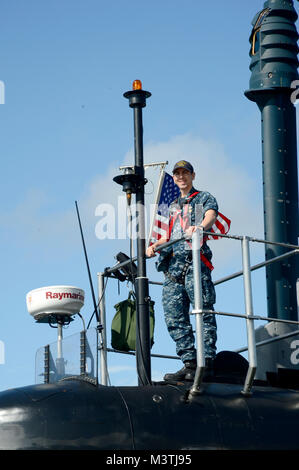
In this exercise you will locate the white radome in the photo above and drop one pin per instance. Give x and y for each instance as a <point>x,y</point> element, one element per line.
<point>51,300</point>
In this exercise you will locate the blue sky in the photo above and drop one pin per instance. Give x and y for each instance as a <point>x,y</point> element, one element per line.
<point>66,129</point>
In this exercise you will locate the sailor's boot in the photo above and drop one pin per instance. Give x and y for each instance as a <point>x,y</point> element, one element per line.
<point>186,373</point>
<point>209,370</point>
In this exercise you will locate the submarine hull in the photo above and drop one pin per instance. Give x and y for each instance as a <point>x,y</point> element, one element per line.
<point>77,415</point>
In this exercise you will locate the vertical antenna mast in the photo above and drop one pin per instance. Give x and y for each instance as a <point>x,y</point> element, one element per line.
<point>88,270</point>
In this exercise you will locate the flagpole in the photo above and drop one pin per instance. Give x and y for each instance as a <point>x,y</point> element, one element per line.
<point>160,184</point>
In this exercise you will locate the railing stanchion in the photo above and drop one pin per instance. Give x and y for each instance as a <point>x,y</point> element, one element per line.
<point>102,334</point>
<point>83,352</point>
<point>47,364</point>
<point>198,305</point>
<point>249,321</point>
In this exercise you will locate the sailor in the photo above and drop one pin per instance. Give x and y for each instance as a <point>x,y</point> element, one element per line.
<point>192,209</point>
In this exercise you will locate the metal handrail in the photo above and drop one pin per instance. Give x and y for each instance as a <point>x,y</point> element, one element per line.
<point>132,353</point>
<point>231,276</point>
<point>270,340</point>
<point>119,265</point>
<point>251,317</point>
<point>257,266</point>
<point>198,306</point>
<point>252,268</point>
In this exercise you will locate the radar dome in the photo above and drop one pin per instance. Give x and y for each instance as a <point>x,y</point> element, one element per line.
<point>54,300</point>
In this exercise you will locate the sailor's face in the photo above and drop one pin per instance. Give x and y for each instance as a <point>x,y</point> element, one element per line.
<point>183,178</point>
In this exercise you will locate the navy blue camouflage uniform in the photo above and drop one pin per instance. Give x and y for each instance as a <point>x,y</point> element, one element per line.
<point>177,297</point>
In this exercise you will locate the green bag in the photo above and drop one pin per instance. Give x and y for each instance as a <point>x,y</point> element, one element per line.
<point>123,327</point>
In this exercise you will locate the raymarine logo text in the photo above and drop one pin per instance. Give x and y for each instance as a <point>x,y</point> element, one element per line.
<point>63,295</point>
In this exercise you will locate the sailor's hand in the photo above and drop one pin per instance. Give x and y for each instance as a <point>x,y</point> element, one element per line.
<point>190,230</point>
<point>150,252</point>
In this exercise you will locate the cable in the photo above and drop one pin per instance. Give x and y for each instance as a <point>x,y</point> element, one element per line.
<point>138,339</point>
<point>63,320</point>
<point>129,417</point>
<point>152,190</point>
<point>98,304</point>
<point>131,244</point>
<point>82,320</point>
<point>133,287</point>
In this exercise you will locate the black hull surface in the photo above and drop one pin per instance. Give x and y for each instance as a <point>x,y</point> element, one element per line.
<point>75,414</point>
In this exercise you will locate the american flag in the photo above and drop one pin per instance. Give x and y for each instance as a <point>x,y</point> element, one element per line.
<point>169,191</point>
<point>221,225</point>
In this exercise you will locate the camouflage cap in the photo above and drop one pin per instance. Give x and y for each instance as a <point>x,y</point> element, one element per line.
<point>183,164</point>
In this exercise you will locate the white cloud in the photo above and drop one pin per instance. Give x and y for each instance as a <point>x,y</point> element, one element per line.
<point>236,192</point>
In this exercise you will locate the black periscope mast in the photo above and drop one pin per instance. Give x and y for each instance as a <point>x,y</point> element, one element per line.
<point>133,182</point>
<point>246,405</point>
